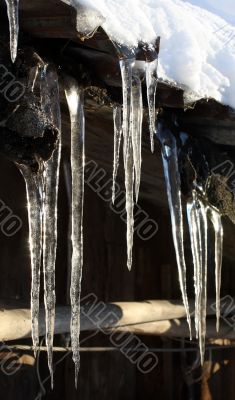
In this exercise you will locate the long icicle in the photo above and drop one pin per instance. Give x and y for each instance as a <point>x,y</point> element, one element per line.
<point>51,105</point>
<point>13,18</point>
<point>215,218</point>
<point>117,121</point>
<point>195,247</point>
<point>151,84</point>
<point>129,185</point>
<point>126,66</point>
<point>75,104</point>
<point>203,226</point>
<point>197,213</point>
<point>173,184</point>
<point>136,128</point>
<point>33,183</point>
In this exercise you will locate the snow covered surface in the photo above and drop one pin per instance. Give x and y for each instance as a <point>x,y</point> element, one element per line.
<point>197,38</point>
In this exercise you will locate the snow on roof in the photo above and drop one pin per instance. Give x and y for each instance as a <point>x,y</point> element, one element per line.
<point>197,38</point>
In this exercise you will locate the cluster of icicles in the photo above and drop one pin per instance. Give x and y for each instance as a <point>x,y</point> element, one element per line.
<point>42,194</point>
<point>199,213</point>
<point>128,123</point>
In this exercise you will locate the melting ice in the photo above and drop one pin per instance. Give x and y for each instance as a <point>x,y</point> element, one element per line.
<point>13,18</point>
<point>151,84</point>
<point>51,105</point>
<point>117,122</point>
<point>34,189</point>
<point>173,185</point>
<point>75,104</point>
<point>132,140</point>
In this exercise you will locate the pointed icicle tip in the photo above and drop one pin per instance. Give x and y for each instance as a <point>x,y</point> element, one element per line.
<point>77,368</point>
<point>215,218</point>
<point>13,19</point>
<point>126,67</point>
<point>173,185</point>
<point>50,103</point>
<point>74,97</point>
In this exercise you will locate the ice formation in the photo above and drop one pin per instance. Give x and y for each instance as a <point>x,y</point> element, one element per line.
<point>126,67</point>
<point>13,18</point>
<point>117,122</point>
<point>128,124</point>
<point>215,218</point>
<point>197,38</point>
<point>75,103</point>
<point>132,139</point>
<point>199,214</point>
<point>51,106</point>
<point>201,249</point>
<point>34,191</point>
<point>136,127</point>
<point>193,54</point>
<point>173,185</point>
<point>151,85</point>
<point>42,196</point>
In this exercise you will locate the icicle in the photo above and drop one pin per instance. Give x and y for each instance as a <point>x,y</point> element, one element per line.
<point>33,74</point>
<point>136,128</point>
<point>126,67</point>
<point>197,220</point>
<point>34,71</point>
<point>151,83</point>
<point>51,106</point>
<point>194,230</point>
<point>75,105</point>
<point>117,120</point>
<point>13,18</point>
<point>215,218</point>
<point>129,184</point>
<point>202,224</point>
<point>132,136</point>
<point>172,177</point>
<point>34,202</point>
<point>126,72</point>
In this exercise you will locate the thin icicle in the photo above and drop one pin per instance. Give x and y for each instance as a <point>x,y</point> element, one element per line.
<point>13,18</point>
<point>117,121</point>
<point>126,73</point>
<point>75,104</point>
<point>215,218</point>
<point>33,74</point>
<point>136,128</point>
<point>51,106</point>
<point>151,83</point>
<point>195,247</point>
<point>129,185</point>
<point>126,66</point>
<point>34,203</point>
<point>202,224</point>
<point>198,226</point>
<point>132,136</point>
<point>172,177</point>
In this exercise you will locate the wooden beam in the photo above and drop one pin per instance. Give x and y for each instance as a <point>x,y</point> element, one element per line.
<point>153,317</point>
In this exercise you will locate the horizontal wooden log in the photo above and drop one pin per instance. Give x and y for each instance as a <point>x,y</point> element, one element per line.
<point>155,317</point>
